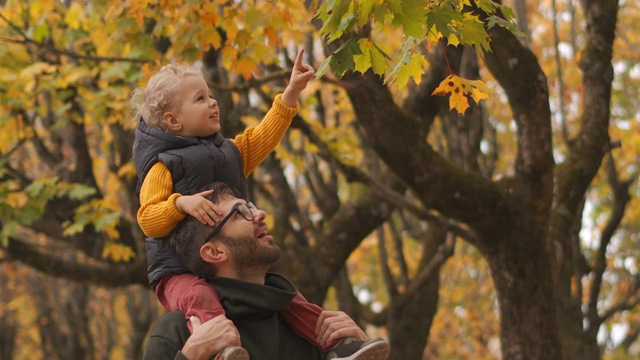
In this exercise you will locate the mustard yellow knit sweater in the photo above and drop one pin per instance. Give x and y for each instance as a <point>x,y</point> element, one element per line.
<point>158,214</point>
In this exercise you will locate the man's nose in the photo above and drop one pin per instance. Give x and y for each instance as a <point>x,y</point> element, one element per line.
<point>258,215</point>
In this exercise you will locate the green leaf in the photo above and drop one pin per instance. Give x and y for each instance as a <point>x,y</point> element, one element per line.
<point>507,12</point>
<point>472,32</point>
<point>487,6</point>
<point>80,191</point>
<point>40,32</point>
<point>495,20</point>
<point>116,71</point>
<point>323,67</point>
<point>38,187</point>
<point>342,59</point>
<point>29,213</point>
<point>364,9</point>
<point>9,228</point>
<point>337,18</point>
<point>412,16</point>
<point>107,220</point>
<point>73,228</point>
<point>441,18</point>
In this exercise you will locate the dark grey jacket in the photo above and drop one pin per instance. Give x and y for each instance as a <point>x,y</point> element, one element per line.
<point>253,308</point>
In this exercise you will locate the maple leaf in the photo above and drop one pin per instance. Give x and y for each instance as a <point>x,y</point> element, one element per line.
<point>439,20</point>
<point>209,14</point>
<point>324,65</point>
<point>74,16</point>
<point>460,89</point>
<point>342,59</point>
<point>365,8</point>
<point>371,57</point>
<point>412,16</point>
<point>412,66</point>
<point>337,18</point>
<point>246,68</point>
<point>472,32</point>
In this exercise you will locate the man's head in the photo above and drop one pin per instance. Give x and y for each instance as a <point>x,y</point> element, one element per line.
<point>238,246</point>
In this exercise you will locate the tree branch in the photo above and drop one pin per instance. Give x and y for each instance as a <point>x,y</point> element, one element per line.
<point>76,267</point>
<point>445,251</point>
<point>621,198</point>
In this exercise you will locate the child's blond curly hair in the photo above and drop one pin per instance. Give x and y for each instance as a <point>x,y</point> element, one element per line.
<point>152,102</point>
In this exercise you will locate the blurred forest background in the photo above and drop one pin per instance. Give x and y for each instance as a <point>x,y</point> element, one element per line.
<point>506,231</point>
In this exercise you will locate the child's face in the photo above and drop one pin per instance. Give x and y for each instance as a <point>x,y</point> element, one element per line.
<point>195,112</point>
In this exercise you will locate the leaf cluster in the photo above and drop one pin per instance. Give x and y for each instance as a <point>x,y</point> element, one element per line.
<point>421,23</point>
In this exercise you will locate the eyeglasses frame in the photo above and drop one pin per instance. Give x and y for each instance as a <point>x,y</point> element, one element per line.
<point>236,208</point>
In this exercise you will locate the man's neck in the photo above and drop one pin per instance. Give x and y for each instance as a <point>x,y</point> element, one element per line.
<point>254,275</point>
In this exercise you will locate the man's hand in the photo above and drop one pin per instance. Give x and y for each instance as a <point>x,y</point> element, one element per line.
<point>301,74</point>
<point>199,207</point>
<point>337,325</point>
<point>210,338</point>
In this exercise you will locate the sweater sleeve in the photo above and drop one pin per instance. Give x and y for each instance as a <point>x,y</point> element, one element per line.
<point>256,142</point>
<point>158,214</point>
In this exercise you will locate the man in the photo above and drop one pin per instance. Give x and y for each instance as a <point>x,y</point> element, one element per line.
<point>235,257</point>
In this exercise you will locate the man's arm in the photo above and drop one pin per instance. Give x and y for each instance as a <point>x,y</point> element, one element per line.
<point>170,340</point>
<point>210,338</point>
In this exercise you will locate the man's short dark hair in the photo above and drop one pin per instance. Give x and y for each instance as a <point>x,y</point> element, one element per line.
<point>189,234</point>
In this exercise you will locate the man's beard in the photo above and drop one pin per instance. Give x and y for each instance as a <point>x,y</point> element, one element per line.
<point>248,253</point>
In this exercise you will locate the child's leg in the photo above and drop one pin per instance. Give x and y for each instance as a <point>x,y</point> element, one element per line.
<point>302,316</point>
<point>191,295</point>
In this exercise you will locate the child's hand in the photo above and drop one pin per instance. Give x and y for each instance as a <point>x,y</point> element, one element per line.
<point>300,76</point>
<point>199,207</point>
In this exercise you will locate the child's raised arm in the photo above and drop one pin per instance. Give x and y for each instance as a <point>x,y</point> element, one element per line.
<point>300,76</point>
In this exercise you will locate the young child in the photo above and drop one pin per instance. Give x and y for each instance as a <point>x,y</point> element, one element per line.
<point>177,151</point>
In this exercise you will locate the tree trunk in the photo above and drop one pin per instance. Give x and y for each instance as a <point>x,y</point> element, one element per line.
<point>411,314</point>
<point>528,302</point>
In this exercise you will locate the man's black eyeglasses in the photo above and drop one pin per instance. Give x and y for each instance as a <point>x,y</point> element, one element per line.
<point>243,209</point>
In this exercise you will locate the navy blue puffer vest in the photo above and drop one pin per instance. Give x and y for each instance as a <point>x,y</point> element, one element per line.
<point>194,163</point>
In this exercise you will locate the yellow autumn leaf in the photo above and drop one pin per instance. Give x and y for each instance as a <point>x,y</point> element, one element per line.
<point>39,8</point>
<point>127,170</point>
<point>37,68</point>
<point>459,89</point>
<point>16,199</point>
<point>271,34</point>
<point>479,90</point>
<point>229,56</point>
<point>458,101</point>
<point>246,68</point>
<point>74,16</point>
<point>453,40</point>
<point>209,13</point>
<point>117,252</point>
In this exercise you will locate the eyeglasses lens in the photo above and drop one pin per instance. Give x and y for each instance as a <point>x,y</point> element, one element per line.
<point>245,211</point>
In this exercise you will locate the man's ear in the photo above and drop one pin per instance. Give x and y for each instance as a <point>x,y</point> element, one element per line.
<point>171,120</point>
<point>213,253</point>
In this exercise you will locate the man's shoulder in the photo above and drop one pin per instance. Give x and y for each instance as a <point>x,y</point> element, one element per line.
<point>167,337</point>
